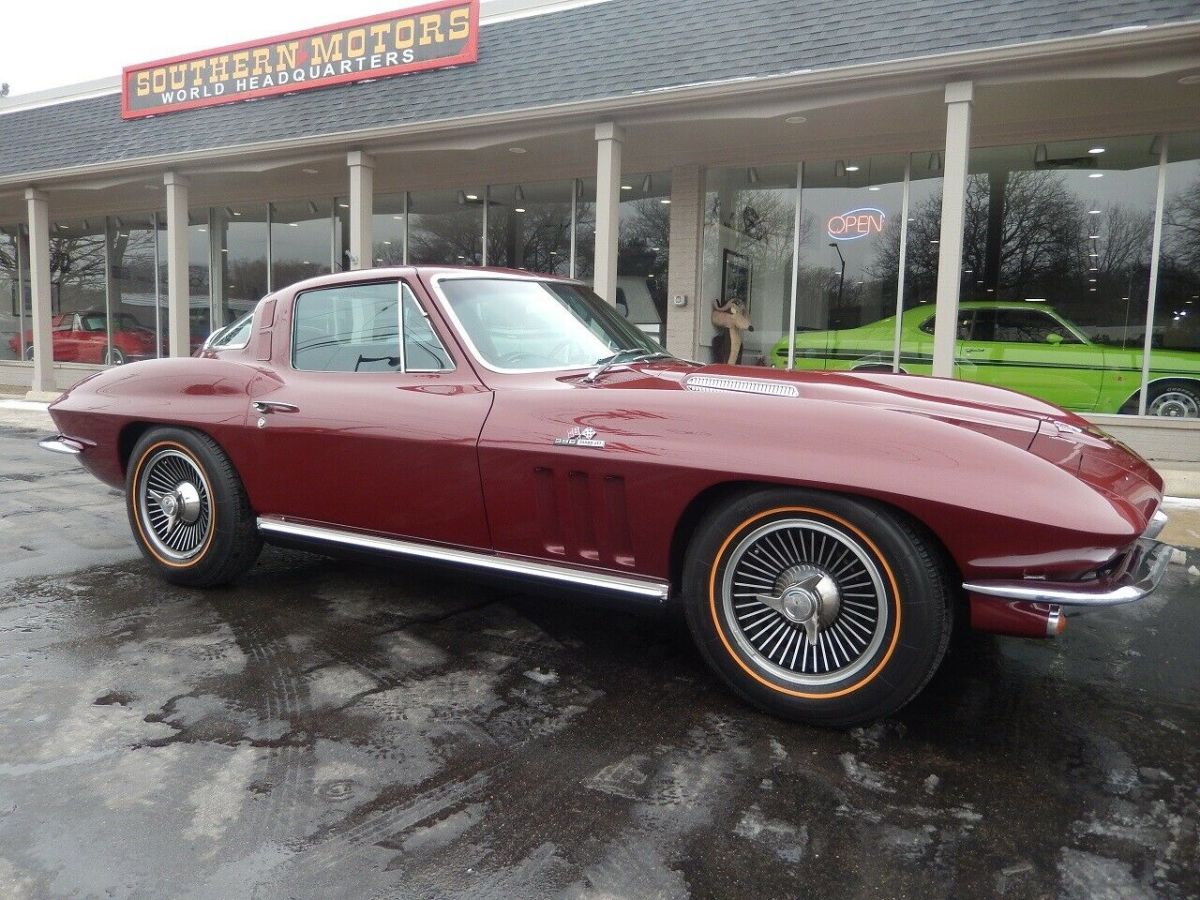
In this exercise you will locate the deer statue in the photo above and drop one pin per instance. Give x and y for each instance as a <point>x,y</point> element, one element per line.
<point>730,320</point>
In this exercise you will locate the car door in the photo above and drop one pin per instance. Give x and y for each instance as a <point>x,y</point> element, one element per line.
<point>1029,350</point>
<point>364,431</point>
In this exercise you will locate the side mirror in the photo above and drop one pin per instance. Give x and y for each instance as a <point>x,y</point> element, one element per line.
<point>623,308</point>
<point>1054,338</point>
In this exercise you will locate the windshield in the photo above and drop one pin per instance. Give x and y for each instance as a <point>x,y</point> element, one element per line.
<point>522,326</point>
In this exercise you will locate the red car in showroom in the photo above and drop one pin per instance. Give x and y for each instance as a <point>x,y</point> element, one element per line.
<point>83,337</point>
<point>822,531</point>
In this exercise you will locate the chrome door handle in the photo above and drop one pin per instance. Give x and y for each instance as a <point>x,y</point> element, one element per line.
<point>266,406</point>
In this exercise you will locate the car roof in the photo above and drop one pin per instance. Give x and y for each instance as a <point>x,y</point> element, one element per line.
<point>982,304</point>
<point>387,272</point>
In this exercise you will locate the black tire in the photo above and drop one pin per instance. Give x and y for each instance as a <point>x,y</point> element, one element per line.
<point>188,509</point>
<point>1174,399</point>
<point>835,558</point>
<point>113,356</point>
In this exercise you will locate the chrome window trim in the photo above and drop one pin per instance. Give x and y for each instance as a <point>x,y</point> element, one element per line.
<point>436,283</point>
<point>648,588</point>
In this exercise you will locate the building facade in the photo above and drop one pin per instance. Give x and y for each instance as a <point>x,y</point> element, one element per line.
<point>993,191</point>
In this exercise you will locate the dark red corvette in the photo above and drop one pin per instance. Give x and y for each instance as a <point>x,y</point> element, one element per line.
<point>823,531</point>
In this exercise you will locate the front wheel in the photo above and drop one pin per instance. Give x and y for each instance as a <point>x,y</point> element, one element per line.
<point>113,356</point>
<point>817,607</point>
<point>188,510</point>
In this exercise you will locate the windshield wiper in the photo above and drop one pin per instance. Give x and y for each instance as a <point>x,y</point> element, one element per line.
<point>622,356</point>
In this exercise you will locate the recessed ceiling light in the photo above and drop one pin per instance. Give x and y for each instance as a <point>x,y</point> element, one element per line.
<point>665,202</point>
<point>343,206</point>
<point>518,209</point>
<point>397,217</point>
<point>851,168</point>
<point>796,120</point>
<point>1190,79</point>
<point>934,241</point>
<point>293,224</point>
<point>517,150</point>
<point>873,187</point>
<point>1093,212</point>
<point>1096,151</point>
<point>627,187</point>
<point>309,171</point>
<point>1096,175</point>
<point>472,196</point>
<point>387,243</point>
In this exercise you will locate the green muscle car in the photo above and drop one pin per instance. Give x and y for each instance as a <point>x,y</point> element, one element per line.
<point>1017,345</point>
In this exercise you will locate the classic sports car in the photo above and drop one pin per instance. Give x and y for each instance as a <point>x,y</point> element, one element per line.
<point>822,531</point>
<point>1025,346</point>
<point>83,337</point>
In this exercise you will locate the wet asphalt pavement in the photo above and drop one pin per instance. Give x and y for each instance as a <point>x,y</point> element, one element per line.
<point>332,729</point>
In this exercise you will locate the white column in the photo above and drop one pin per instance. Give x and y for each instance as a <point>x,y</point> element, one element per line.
<point>609,137</point>
<point>39,282</point>
<point>959,96</point>
<point>362,209</point>
<point>178,264</point>
<point>682,328</point>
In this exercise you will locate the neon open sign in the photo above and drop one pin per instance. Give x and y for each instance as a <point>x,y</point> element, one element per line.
<point>855,224</point>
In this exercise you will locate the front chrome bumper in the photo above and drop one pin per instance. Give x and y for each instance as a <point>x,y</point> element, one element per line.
<point>61,444</point>
<point>1137,577</point>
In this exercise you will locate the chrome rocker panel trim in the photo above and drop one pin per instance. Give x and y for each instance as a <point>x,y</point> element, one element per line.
<point>1139,578</point>
<point>61,444</point>
<point>642,587</point>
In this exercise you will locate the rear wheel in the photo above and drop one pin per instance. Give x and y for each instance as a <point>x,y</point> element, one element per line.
<point>817,607</point>
<point>1175,399</point>
<point>188,509</point>
<point>114,357</point>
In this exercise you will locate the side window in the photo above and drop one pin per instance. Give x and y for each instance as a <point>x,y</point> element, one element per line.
<point>423,352</point>
<point>356,328</point>
<point>927,325</point>
<point>236,335</point>
<point>1030,326</point>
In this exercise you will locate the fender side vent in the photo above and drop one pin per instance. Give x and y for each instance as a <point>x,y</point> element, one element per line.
<point>741,385</point>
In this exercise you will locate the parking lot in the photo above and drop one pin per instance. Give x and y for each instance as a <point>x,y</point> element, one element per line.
<point>332,729</point>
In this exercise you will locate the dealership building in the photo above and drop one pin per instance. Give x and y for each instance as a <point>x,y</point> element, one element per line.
<point>1021,182</point>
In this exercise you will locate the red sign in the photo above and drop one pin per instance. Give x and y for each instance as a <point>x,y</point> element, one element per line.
<point>433,36</point>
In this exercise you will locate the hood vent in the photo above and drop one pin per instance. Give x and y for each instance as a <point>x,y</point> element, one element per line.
<point>741,385</point>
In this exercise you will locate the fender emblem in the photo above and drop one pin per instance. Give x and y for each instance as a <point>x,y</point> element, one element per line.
<point>580,437</point>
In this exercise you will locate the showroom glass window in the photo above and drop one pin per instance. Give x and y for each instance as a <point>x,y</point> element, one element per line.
<point>749,246</point>
<point>301,241</point>
<point>1066,225</point>
<point>849,262</point>
<point>922,246</point>
<point>15,311</point>
<point>529,226</point>
<point>388,230</point>
<point>240,242</point>
<point>585,228</point>
<point>643,251</point>
<point>79,290</point>
<point>200,320</point>
<point>1177,308</point>
<point>446,227</point>
<point>137,290</point>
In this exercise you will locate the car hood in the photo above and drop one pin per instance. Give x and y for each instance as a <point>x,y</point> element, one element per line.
<point>1010,416</point>
<point>1062,438</point>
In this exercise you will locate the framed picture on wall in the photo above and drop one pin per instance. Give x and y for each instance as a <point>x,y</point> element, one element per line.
<point>735,278</point>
